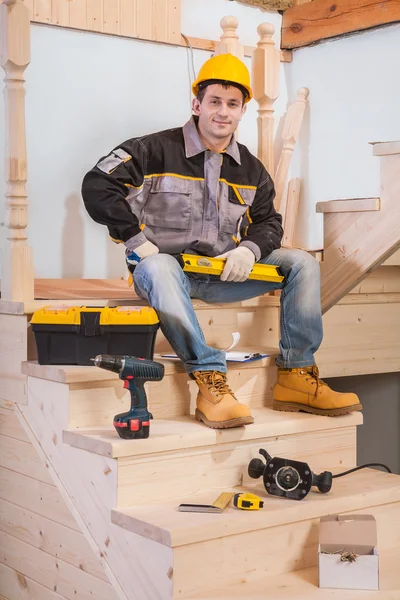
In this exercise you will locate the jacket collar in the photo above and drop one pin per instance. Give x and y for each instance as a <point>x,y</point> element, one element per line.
<point>194,145</point>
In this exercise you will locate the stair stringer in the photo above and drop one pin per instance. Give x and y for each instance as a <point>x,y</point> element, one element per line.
<point>355,243</point>
<point>143,567</point>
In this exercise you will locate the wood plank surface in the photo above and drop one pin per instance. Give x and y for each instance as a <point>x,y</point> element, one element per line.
<point>353,205</point>
<point>315,21</point>
<point>16,586</point>
<point>39,497</point>
<point>22,457</point>
<point>50,537</point>
<point>53,573</point>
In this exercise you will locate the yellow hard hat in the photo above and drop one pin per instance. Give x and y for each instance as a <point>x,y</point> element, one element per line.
<point>224,67</point>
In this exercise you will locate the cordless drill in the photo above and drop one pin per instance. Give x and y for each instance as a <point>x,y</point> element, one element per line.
<point>134,424</point>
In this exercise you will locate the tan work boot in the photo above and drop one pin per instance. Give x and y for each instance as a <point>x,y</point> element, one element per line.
<point>302,390</point>
<point>217,407</point>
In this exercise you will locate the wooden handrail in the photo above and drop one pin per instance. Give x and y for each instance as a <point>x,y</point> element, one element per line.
<point>17,267</point>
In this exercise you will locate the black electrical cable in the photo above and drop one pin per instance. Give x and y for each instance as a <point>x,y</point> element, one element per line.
<point>362,467</point>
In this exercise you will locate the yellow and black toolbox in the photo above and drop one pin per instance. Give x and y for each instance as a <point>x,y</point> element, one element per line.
<point>73,335</point>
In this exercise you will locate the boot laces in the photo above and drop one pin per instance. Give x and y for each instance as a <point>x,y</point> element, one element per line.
<point>215,381</point>
<point>312,375</point>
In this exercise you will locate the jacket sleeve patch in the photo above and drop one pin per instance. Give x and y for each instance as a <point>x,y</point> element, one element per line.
<point>113,160</point>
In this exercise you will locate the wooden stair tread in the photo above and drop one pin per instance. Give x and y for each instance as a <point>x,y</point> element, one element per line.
<point>303,585</point>
<point>349,205</point>
<point>78,374</point>
<point>186,432</point>
<point>165,524</point>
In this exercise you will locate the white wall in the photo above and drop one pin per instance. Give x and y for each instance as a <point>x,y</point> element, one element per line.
<point>85,94</point>
<point>354,99</point>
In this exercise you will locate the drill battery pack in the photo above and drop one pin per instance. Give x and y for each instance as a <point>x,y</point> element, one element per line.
<point>214,266</point>
<point>73,335</point>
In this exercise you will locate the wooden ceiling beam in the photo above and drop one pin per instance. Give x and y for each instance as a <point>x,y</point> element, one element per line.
<point>312,22</point>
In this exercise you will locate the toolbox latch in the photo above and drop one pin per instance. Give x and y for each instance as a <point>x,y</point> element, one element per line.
<point>90,324</point>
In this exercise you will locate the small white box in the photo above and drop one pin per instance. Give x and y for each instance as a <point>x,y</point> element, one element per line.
<point>340,534</point>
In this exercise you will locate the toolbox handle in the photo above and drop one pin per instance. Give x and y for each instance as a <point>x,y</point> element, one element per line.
<point>90,324</point>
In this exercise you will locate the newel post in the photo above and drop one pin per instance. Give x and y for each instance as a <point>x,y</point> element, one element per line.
<point>17,264</point>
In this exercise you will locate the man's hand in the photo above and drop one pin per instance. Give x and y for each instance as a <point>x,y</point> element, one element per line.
<point>134,257</point>
<point>239,263</point>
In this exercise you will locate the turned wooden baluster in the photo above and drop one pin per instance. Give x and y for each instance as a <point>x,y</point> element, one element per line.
<point>229,43</point>
<point>17,265</point>
<point>290,134</point>
<point>265,75</point>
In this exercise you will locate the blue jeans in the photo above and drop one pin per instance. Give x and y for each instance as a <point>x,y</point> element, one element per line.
<point>160,280</point>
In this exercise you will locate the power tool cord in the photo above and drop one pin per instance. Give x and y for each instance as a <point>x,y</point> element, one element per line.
<point>362,467</point>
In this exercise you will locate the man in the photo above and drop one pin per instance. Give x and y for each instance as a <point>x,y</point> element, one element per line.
<point>196,190</point>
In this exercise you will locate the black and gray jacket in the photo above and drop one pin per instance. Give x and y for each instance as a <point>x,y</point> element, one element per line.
<point>168,188</point>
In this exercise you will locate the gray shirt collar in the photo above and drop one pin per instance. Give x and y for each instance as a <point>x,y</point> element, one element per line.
<point>194,145</point>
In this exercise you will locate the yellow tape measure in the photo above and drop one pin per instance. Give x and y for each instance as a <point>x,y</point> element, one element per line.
<point>247,501</point>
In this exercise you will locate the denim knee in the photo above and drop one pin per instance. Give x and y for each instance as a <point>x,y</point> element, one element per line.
<point>158,267</point>
<point>300,260</point>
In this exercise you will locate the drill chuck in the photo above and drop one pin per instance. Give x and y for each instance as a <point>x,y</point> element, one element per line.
<point>109,363</point>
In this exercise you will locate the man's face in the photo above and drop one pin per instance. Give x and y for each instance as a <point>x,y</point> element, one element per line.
<point>220,111</point>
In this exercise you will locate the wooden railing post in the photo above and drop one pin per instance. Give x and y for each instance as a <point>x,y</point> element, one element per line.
<point>17,278</point>
<point>290,134</point>
<point>265,71</point>
<point>229,43</point>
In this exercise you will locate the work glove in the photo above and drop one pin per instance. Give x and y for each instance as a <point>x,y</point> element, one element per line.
<point>134,257</point>
<point>239,263</point>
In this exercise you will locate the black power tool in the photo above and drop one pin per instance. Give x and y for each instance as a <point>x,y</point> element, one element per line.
<point>288,478</point>
<point>134,424</point>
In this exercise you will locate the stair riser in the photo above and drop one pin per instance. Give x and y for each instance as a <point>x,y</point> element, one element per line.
<point>159,477</point>
<point>94,404</point>
<point>258,326</point>
<point>239,558</point>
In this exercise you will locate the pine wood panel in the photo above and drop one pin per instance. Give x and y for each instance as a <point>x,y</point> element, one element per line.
<point>60,13</point>
<point>295,546</point>
<point>21,457</point>
<point>53,573</point>
<point>16,586</point>
<point>78,14</point>
<point>13,350</point>
<point>111,23</point>
<point>10,425</point>
<point>303,585</point>
<point>41,498</point>
<point>354,205</point>
<point>124,552</point>
<point>383,280</point>
<point>94,15</point>
<point>180,475</point>
<point>42,11</point>
<point>315,21</point>
<point>50,537</point>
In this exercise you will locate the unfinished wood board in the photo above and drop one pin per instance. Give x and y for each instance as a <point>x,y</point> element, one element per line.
<point>393,260</point>
<point>10,425</point>
<point>295,546</point>
<point>354,205</point>
<point>21,457</point>
<point>60,13</point>
<point>41,498</point>
<point>15,586</point>
<point>355,243</point>
<point>50,537</point>
<point>13,350</point>
<point>52,573</point>
<point>122,551</point>
<point>315,21</point>
<point>386,148</point>
<point>383,280</point>
<point>181,474</point>
<point>289,212</point>
<point>358,491</point>
<point>174,435</point>
<point>360,340</point>
<point>290,134</point>
<point>303,583</point>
